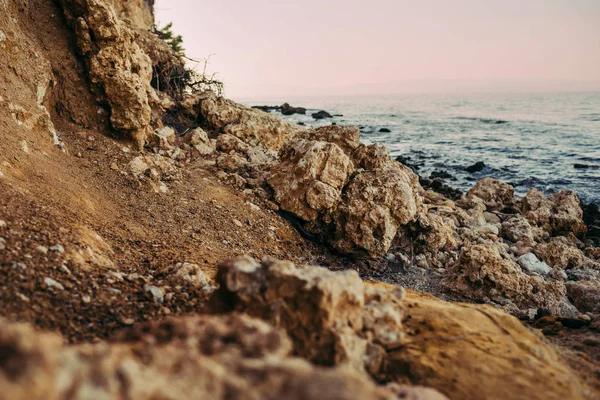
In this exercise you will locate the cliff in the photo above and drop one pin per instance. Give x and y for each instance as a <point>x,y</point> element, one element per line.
<point>174,244</point>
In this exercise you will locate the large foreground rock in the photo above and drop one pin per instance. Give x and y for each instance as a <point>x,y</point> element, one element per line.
<point>203,357</point>
<point>464,351</point>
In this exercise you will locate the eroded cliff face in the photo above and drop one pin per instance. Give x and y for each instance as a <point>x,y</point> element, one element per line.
<point>124,212</point>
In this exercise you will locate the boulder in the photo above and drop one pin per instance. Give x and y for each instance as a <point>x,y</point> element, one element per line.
<point>486,271</point>
<point>477,167</point>
<point>559,253</point>
<point>585,295</point>
<point>252,126</point>
<point>558,214</point>
<point>199,141</point>
<point>373,206</point>
<point>518,229</point>
<point>495,194</point>
<point>309,180</point>
<point>346,137</point>
<point>231,162</point>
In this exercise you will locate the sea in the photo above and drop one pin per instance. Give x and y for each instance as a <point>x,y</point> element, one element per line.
<point>550,141</point>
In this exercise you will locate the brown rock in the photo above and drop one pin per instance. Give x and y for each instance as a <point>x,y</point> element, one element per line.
<point>310,178</point>
<point>471,351</point>
<point>559,253</point>
<point>231,162</point>
<point>373,206</point>
<point>346,137</point>
<point>486,271</point>
<point>560,213</point>
<point>495,194</point>
<point>585,295</point>
<point>252,126</point>
<point>118,68</point>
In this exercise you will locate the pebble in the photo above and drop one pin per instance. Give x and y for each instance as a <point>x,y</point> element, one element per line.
<point>157,293</point>
<point>488,228</point>
<point>65,269</point>
<point>19,267</point>
<point>113,290</point>
<point>126,149</point>
<point>238,223</point>
<point>2,244</point>
<point>23,297</point>
<point>57,248</point>
<point>86,299</point>
<point>42,249</point>
<point>2,224</point>
<point>114,166</point>
<point>51,283</point>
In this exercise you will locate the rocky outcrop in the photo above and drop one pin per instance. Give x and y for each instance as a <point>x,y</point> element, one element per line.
<point>120,72</point>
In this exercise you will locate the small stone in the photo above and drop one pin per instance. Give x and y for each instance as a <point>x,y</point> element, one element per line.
<point>156,293</point>
<point>126,321</point>
<point>51,283</point>
<point>86,299</point>
<point>65,269</point>
<point>23,297</point>
<point>114,166</point>
<point>2,244</point>
<point>79,155</point>
<point>253,206</point>
<point>225,242</point>
<point>238,223</point>
<point>18,266</point>
<point>126,149</point>
<point>2,224</point>
<point>24,146</point>
<point>42,249</point>
<point>530,262</point>
<point>57,248</point>
<point>113,290</point>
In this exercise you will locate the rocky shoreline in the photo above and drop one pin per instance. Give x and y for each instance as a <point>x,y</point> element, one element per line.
<point>174,245</point>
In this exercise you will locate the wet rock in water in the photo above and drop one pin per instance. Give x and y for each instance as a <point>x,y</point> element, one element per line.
<point>477,167</point>
<point>441,174</point>
<point>585,166</point>
<point>267,108</point>
<point>496,194</point>
<point>118,68</point>
<point>321,115</point>
<point>407,161</point>
<point>310,178</point>
<point>385,130</point>
<point>530,262</point>
<point>486,271</point>
<point>373,206</point>
<point>585,295</point>
<point>286,109</point>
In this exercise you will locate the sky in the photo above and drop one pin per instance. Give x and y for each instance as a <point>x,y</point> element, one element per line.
<point>270,48</point>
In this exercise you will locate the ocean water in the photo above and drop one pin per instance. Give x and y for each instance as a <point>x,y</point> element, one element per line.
<point>528,140</point>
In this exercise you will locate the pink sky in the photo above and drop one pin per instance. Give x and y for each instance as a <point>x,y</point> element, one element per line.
<point>266,48</point>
